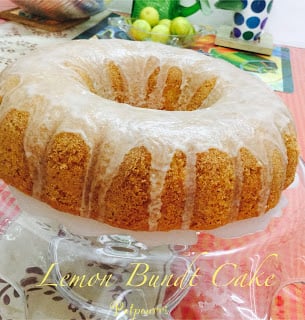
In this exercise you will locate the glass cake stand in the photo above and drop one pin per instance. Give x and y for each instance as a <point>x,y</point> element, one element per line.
<point>59,267</point>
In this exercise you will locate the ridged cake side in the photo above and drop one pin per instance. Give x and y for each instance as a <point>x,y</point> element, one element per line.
<point>221,196</point>
<point>156,149</point>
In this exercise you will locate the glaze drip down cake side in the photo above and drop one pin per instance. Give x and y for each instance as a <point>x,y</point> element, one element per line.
<point>144,136</point>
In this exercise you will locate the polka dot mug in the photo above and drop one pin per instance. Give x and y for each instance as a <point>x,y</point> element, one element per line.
<point>251,20</point>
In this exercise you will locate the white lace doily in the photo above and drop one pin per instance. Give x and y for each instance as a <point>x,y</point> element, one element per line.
<point>17,40</point>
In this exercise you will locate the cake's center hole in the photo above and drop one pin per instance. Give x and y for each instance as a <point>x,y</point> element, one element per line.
<point>172,91</point>
<point>162,88</point>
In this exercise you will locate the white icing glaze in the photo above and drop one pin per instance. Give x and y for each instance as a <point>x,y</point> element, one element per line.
<point>240,111</point>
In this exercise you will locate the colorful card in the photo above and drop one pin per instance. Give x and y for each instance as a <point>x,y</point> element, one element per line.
<point>275,70</point>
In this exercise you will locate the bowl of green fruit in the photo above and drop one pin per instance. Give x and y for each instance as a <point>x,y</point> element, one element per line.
<point>178,31</point>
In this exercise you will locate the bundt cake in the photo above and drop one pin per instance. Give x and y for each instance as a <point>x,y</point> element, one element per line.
<point>144,136</point>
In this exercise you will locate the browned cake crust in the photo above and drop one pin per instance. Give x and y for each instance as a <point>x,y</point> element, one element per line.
<point>13,162</point>
<point>67,160</point>
<point>202,190</point>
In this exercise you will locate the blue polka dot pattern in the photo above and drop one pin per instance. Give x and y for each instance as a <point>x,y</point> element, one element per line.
<point>250,22</point>
<point>253,22</point>
<point>245,3</point>
<point>258,6</point>
<point>256,37</point>
<point>239,18</point>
